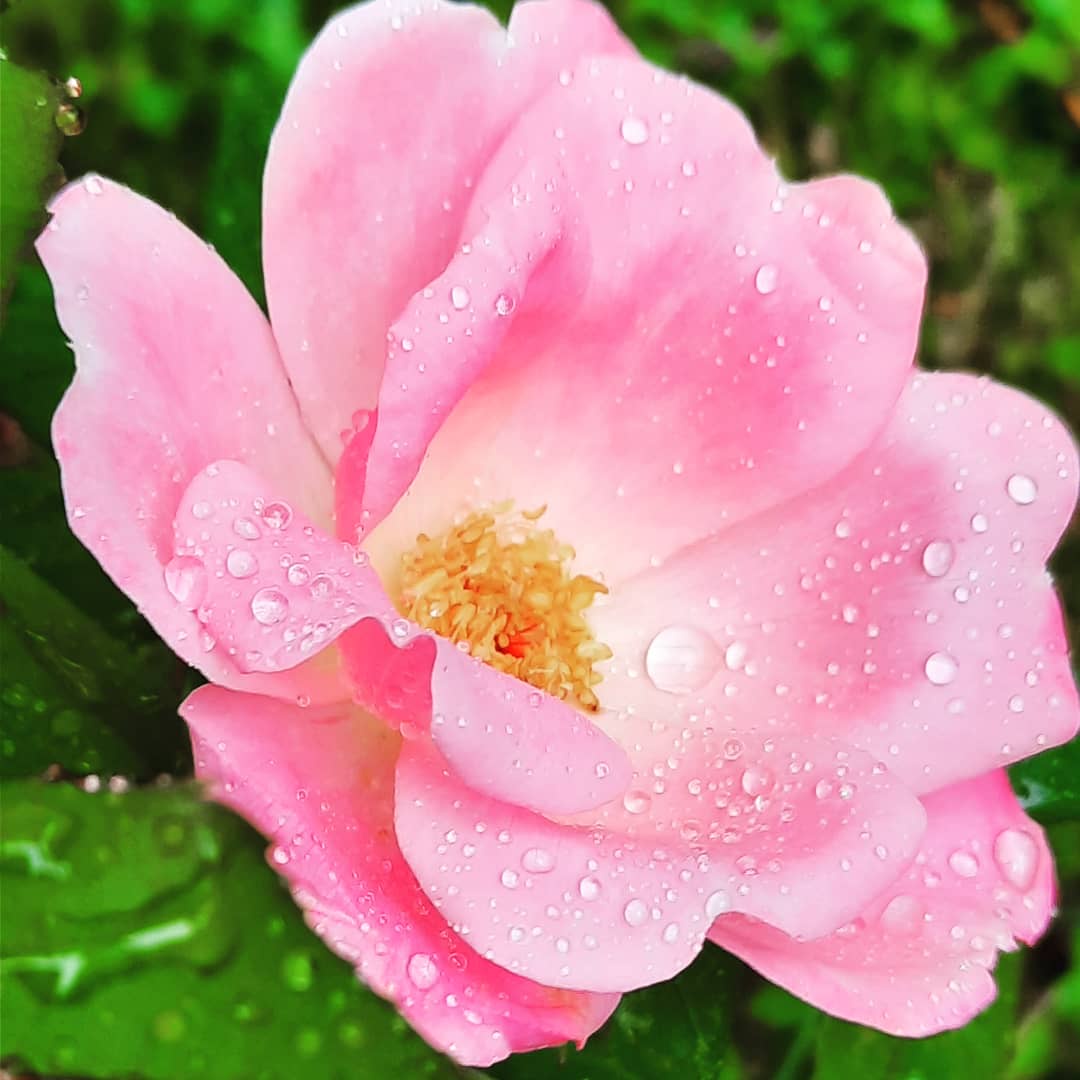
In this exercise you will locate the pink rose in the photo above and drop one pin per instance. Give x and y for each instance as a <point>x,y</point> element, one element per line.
<point>561,373</point>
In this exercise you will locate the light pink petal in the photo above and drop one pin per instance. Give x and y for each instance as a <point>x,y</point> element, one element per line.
<point>705,359</point>
<point>590,907</point>
<point>274,591</point>
<point>449,331</point>
<point>903,607</point>
<point>919,958</point>
<point>319,783</point>
<point>175,367</point>
<point>391,118</point>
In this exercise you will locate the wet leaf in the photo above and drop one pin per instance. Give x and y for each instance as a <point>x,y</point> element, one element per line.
<point>29,172</point>
<point>1048,785</point>
<point>145,936</point>
<point>75,696</point>
<point>677,1029</point>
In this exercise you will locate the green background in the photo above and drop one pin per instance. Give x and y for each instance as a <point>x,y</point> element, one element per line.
<point>142,933</point>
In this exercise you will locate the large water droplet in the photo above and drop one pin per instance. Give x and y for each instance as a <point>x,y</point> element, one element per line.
<point>937,558</point>
<point>902,915</point>
<point>757,780</point>
<point>277,515</point>
<point>963,864</point>
<point>459,297</point>
<point>765,279</point>
<point>589,888</point>
<point>635,913</point>
<point>185,578</point>
<point>681,659</point>
<point>717,903</point>
<point>636,802</point>
<point>940,668</point>
<point>269,606</point>
<point>538,860</point>
<point>1021,489</point>
<point>634,130</point>
<point>422,971</point>
<point>1017,857</point>
<point>240,563</point>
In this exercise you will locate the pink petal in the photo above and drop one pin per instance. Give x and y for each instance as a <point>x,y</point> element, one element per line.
<point>275,591</point>
<point>391,118</point>
<point>656,381</point>
<point>903,608</point>
<point>594,908</point>
<point>175,367</point>
<point>919,958</point>
<point>319,783</point>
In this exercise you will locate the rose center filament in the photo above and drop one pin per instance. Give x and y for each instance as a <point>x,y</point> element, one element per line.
<point>501,586</point>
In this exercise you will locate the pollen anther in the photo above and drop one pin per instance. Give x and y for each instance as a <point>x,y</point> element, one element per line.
<point>499,585</point>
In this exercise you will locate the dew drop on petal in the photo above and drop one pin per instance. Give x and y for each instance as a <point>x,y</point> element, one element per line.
<point>269,606</point>
<point>937,558</point>
<point>459,297</point>
<point>681,659</point>
<point>717,903</point>
<point>538,860</point>
<point>186,580</point>
<point>1017,857</point>
<point>634,130</point>
<point>963,864</point>
<point>902,915</point>
<point>422,970</point>
<point>635,913</point>
<point>940,669</point>
<point>765,279</point>
<point>1021,489</point>
<point>636,802</point>
<point>589,888</point>
<point>240,563</point>
<point>277,515</point>
<point>245,527</point>
<point>504,304</point>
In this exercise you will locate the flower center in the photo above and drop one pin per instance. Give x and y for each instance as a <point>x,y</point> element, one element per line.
<point>501,586</point>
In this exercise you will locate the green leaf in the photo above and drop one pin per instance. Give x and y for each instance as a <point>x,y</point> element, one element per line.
<point>977,1049</point>
<point>1048,785</point>
<point>28,168</point>
<point>76,697</point>
<point>676,1029</point>
<point>145,936</point>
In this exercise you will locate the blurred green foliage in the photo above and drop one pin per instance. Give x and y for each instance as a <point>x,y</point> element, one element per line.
<point>967,112</point>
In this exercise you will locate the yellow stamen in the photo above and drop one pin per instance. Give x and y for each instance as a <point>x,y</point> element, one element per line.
<point>504,588</point>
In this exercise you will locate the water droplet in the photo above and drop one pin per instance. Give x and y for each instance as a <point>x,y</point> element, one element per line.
<point>735,656</point>
<point>717,903</point>
<point>635,913</point>
<point>902,915</point>
<point>979,523</point>
<point>636,802</point>
<point>963,864</point>
<point>671,933</point>
<point>504,304</point>
<point>589,888</point>
<point>509,878</point>
<point>201,510</point>
<point>422,971</point>
<point>538,860</point>
<point>185,578</point>
<point>757,780</point>
<point>940,669</point>
<point>937,558</point>
<point>634,130</point>
<point>1017,857</point>
<point>297,971</point>
<point>459,297</point>
<point>765,279</point>
<point>277,515</point>
<point>269,606</point>
<point>1022,489</point>
<point>69,119</point>
<point>298,574</point>
<point>245,527</point>
<point>681,659</point>
<point>240,563</point>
